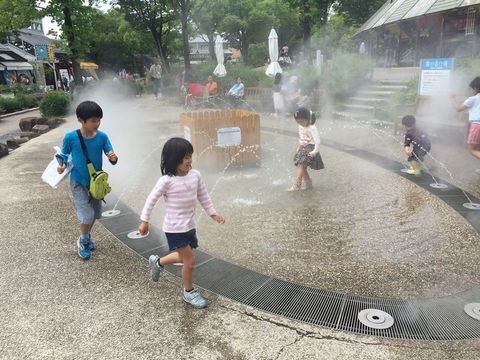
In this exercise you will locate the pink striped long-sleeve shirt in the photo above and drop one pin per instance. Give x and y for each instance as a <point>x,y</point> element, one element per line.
<point>181,194</point>
<point>309,135</point>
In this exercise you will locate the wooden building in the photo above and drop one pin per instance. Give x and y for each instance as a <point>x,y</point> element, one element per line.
<point>408,30</point>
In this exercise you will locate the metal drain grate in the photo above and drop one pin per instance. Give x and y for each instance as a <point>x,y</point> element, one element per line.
<point>431,319</point>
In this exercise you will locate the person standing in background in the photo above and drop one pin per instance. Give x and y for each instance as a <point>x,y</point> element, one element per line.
<point>156,76</point>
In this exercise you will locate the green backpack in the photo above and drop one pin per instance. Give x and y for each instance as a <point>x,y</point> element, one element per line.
<point>99,186</point>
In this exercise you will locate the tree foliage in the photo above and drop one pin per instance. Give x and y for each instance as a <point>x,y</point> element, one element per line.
<point>16,14</point>
<point>356,12</point>
<point>157,16</point>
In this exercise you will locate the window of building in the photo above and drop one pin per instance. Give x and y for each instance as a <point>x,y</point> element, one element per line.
<point>470,26</point>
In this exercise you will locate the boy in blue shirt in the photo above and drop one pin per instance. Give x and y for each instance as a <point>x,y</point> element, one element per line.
<point>89,114</point>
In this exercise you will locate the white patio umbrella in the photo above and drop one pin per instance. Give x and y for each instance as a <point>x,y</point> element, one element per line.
<point>220,70</point>
<point>274,66</point>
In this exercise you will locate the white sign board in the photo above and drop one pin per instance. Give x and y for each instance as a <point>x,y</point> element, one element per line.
<point>435,76</point>
<point>231,136</point>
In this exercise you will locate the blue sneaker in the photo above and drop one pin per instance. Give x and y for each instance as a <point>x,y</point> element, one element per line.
<point>194,298</point>
<point>83,250</point>
<point>90,244</point>
<point>155,269</point>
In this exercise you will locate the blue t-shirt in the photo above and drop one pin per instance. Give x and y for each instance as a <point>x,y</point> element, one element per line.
<point>95,146</point>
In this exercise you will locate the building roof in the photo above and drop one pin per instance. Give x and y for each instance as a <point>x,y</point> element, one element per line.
<point>396,10</point>
<point>34,38</point>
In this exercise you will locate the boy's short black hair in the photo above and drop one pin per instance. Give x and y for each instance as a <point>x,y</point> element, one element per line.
<point>304,113</point>
<point>475,83</point>
<point>409,120</point>
<point>88,109</point>
<point>174,150</point>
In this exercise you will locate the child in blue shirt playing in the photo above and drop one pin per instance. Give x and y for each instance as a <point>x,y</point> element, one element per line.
<point>89,114</point>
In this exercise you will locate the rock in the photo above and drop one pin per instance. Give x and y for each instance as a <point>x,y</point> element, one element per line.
<point>53,123</point>
<point>41,121</point>
<point>41,129</point>
<point>29,134</point>
<point>27,123</point>
<point>12,144</point>
<point>3,150</point>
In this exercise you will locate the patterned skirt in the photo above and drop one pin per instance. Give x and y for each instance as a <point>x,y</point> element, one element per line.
<point>302,158</point>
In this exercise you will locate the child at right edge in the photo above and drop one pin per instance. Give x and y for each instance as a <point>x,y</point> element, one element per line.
<point>181,186</point>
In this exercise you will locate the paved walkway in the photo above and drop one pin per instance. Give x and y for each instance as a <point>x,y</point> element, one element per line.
<point>55,306</point>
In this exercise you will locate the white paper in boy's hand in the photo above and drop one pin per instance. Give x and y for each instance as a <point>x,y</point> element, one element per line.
<point>51,176</point>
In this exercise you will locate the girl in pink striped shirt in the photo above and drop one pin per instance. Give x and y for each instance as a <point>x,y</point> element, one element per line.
<point>181,186</point>
<point>308,149</point>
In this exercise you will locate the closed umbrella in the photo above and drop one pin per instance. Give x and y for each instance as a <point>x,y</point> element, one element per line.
<point>220,70</point>
<point>274,66</point>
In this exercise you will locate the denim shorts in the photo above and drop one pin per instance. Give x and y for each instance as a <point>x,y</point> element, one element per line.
<point>181,240</point>
<point>88,209</point>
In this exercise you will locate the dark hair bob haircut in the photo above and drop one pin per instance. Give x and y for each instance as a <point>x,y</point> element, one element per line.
<point>88,109</point>
<point>475,83</point>
<point>409,120</point>
<point>304,113</point>
<point>174,150</point>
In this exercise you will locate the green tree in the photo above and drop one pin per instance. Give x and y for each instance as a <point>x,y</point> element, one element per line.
<point>246,23</point>
<point>207,16</point>
<point>16,14</point>
<point>356,12</point>
<point>155,15</point>
<point>115,42</point>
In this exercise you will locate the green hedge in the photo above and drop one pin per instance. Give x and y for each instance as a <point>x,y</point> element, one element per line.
<point>56,103</point>
<point>346,73</point>
<point>17,103</point>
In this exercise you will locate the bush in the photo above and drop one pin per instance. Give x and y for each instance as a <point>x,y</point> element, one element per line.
<point>10,104</point>
<point>257,54</point>
<point>55,104</point>
<point>346,73</point>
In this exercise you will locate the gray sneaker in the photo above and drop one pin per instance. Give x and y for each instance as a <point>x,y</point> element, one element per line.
<point>194,298</point>
<point>155,269</point>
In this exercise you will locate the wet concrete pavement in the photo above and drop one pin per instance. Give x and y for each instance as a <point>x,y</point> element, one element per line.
<point>57,306</point>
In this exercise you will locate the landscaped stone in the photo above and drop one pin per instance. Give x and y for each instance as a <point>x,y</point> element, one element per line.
<point>3,150</point>
<point>53,123</point>
<point>41,129</point>
<point>12,144</point>
<point>29,134</point>
<point>27,123</point>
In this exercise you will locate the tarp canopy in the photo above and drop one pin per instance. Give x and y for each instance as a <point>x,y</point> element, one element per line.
<point>88,65</point>
<point>396,10</point>
<point>16,65</point>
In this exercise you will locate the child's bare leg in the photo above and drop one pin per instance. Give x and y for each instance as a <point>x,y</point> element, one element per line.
<point>414,164</point>
<point>173,257</point>
<point>188,259</point>
<point>307,179</point>
<point>474,150</point>
<point>297,181</point>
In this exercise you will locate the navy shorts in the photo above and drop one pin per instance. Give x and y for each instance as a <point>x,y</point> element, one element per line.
<point>181,240</point>
<point>417,154</point>
<point>88,209</point>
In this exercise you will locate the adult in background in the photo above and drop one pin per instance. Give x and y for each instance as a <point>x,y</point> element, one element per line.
<point>236,92</point>
<point>156,76</point>
<point>278,102</point>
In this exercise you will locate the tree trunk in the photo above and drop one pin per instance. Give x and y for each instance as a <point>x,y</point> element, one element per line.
<point>161,51</point>
<point>68,28</point>
<point>307,30</point>
<point>211,47</point>
<point>184,20</point>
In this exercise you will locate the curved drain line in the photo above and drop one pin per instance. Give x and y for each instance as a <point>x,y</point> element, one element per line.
<point>454,317</point>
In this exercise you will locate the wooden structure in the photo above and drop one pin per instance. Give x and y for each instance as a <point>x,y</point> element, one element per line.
<point>415,29</point>
<point>223,138</point>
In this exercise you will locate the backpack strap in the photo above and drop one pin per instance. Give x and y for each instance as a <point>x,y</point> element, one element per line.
<point>90,167</point>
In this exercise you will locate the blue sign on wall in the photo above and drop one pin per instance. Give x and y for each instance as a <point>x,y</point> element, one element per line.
<point>41,52</point>
<point>436,64</point>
